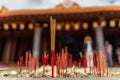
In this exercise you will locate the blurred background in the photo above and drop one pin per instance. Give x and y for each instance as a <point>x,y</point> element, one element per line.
<point>25,25</point>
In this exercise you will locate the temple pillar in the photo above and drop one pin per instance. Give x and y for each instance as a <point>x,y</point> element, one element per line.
<point>7,52</point>
<point>13,49</point>
<point>36,42</point>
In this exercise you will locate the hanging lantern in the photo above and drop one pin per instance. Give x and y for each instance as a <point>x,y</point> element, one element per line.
<point>59,27</point>
<point>30,26</point>
<point>14,26</point>
<point>103,23</point>
<point>21,26</point>
<point>95,25</point>
<point>5,26</point>
<point>45,25</point>
<point>67,27</point>
<point>85,25</point>
<point>112,23</point>
<point>76,26</point>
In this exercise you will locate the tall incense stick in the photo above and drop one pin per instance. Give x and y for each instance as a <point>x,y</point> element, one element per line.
<point>52,33</point>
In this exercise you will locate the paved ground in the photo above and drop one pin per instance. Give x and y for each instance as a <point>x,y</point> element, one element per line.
<point>100,78</point>
<point>113,69</point>
<point>116,68</point>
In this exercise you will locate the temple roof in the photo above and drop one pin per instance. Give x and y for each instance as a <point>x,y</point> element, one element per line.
<point>67,4</point>
<point>73,14</point>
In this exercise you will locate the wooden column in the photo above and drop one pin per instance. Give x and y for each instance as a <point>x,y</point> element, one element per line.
<point>13,49</point>
<point>7,51</point>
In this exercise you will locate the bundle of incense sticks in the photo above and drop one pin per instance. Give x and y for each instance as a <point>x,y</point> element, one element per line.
<point>84,62</point>
<point>44,60</point>
<point>31,63</point>
<point>26,61</point>
<point>103,65</point>
<point>95,63</point>
<point>20,63</point>
<point>98,64</point>
<point>62,63</point>
<point>52,33</point>
<point>35,63</point>
<point>70,60</point>
<point>66,58</point>
<point>106,64</point>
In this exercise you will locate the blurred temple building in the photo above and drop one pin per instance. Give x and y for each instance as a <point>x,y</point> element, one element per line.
<point>25,30</point>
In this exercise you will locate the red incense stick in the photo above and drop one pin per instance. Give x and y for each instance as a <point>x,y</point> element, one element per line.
<point>30,61</point>
<point>27,60</point>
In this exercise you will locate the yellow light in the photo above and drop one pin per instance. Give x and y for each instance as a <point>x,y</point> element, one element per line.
<point>30,26</point>
<point>76,26</point>
<point>45,25</point>
<point>95,25</point>
<point>22,26</point>
<point>59,27</point>
<point>6,26</point>
<point>112,23</point>
<point>103,23</point>
<point>14,26</point>
<point>67,27</point>
<point>85,25</point>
